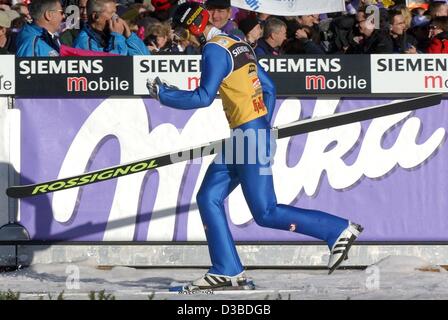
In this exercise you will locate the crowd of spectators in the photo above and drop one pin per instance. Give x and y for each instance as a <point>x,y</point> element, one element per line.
<point>142,27</point>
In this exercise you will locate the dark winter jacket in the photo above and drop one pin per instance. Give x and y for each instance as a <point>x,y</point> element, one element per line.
<point>378,42</point>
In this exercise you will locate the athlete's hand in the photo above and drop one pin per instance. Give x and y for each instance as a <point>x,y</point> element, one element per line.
<point>153,86</point>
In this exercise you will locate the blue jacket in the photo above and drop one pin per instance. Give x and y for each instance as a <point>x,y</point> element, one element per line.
<point>116,43</point>
<point>34,41</point>
<point>264,49</point>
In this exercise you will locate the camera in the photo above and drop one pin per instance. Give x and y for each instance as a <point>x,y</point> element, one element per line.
<point>151,40</point>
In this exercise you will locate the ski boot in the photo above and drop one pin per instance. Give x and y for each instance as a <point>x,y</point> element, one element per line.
<point>215,282</point>
<point>339,251</point>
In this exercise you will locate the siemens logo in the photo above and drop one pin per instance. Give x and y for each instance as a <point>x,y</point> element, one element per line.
<point>170,65</point>
<point>82,84</point>
<point>301,65</point>
<point>28,67</point>
<point>425,64</point>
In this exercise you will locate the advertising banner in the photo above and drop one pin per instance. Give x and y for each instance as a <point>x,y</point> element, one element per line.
<point>388,174</point>
<point>291,7</point>
<point>315,74</point>
<point>183,72</point>
<point>7,75</point>
<point>409,73</point>
<point>74,77</point>
<point>293,75</point>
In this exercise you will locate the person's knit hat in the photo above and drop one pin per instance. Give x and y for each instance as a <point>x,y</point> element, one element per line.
<point>5,20</point>
<point>246,25</point>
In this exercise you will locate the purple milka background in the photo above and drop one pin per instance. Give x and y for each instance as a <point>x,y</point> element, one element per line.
<point>404,205</point>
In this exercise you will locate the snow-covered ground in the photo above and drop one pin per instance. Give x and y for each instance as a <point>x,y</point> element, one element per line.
<point>395,277</point>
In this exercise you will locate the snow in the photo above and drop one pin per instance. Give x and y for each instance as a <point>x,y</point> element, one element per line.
<point>395,277</point>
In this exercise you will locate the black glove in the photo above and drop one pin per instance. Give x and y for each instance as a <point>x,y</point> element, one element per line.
<point>153,86</point>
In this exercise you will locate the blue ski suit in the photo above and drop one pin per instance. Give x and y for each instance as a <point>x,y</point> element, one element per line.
<point>248,95</point>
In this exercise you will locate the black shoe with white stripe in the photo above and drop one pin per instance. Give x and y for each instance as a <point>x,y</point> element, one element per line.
<point>218,282</point>
<point>339,251</point>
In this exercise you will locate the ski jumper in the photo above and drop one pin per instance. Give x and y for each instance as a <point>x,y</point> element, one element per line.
<point>248,96</point>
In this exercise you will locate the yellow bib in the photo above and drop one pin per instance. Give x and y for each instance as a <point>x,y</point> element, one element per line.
<point>240,91</point>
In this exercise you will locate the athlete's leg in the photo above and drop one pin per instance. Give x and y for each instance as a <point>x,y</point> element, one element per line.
<point>218,182</point>
<point>258,188</point>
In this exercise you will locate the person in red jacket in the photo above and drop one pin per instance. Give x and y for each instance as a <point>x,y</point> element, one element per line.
<point>438,32</point>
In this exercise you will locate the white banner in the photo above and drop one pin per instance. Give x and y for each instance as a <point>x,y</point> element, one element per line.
<point>409,73</point>
<point>291,7</point>
<point>7,74</point>
<point>181,71</point>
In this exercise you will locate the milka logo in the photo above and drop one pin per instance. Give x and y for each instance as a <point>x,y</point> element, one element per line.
<point>323,152</point>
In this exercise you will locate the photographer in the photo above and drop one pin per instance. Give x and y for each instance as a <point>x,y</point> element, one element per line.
<point>158,39</point>
<point>106,32</point>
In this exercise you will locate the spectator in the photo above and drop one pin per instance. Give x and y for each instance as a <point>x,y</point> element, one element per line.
<point>372,40</point>
<point>17,23</point>
<point>5,24</point>
<point>302,43</point>
<point>274,35</point>
<point>438,9</point>
<point>158,39</point>
<point>220,13</point>
<point>186,43</point>
<point>307,20</point>
<point>263,18</point>
<point>133,16</point>
<point>341,34</point>
<point>420,31</point>
<point>439,35</point>
<point>23,10</point>
<point>16,18</point>
<point>163,9</point>
<point>106,32</point>
<point>407,15</point>
<point>252,30</point>
<point>402,41</point>
<point>39,38</point>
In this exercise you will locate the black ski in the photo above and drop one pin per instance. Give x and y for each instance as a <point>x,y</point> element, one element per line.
<point>283,131</point>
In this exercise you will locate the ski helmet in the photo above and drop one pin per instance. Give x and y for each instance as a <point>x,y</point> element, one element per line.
<point>192,16</point>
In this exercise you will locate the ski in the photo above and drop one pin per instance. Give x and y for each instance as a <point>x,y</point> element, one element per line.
<point>283,131</point>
